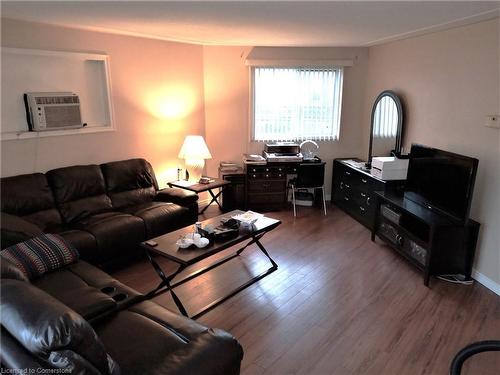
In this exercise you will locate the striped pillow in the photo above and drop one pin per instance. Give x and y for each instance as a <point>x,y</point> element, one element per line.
<point>41,254</point>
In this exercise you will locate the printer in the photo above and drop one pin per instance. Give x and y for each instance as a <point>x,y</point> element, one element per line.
<point>389,168</point>
<point>282,152</point>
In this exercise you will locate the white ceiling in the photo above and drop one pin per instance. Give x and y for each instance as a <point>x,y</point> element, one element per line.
<point>260,23</point>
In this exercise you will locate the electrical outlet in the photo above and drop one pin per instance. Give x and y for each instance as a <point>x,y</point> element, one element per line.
<point>493,121</point>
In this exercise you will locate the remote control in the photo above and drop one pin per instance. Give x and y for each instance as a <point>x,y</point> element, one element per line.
<point>151,243</point>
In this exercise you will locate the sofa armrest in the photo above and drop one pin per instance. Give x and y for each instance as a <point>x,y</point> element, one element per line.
<point>212,352</point>
<point>15,229</point>
<point>178,196</point>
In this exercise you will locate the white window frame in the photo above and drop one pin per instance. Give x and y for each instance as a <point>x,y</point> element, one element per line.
<point>340,67</point>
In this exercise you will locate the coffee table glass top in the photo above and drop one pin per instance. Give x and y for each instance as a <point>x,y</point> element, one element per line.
<point>167,247</point>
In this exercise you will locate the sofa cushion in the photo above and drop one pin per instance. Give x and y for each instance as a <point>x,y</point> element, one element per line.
<point>15,229</point>
<point>115,233</point>
<point>40,255</point>
<point>9,270</point>
<point>83,241</point>
<point>51,331</point>
<point>87,290</point>
<point>176,195</point>
<point>79,191</point>
<point>159,217</point>
<point>172,343</point>
<point>29,196</point>
<point>129,182</point>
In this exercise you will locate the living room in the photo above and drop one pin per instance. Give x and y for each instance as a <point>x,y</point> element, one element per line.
<point>336,302</point>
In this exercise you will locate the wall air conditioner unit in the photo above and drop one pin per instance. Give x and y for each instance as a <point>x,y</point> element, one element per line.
<point>52,111</point>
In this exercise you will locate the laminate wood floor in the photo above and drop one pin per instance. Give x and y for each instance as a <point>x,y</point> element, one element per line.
<point>338,304</point>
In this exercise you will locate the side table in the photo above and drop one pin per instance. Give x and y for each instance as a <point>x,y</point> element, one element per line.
<point>199,188</point>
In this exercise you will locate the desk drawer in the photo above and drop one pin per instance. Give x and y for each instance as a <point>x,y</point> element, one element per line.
<point>254,176</point>
<point>266,186</point>
<point>268,198</point>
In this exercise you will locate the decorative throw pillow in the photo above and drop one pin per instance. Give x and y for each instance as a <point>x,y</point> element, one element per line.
<point>41,254</point>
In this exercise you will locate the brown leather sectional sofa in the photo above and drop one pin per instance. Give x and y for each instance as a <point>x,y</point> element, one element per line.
<point>103,210</point>
<point>78,317</point>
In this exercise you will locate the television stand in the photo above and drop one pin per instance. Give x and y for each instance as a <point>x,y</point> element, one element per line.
<point>432,242</point>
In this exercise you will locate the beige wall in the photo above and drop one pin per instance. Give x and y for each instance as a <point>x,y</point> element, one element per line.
<point>449,82</point>
<point>227,102</point>
<point>163,91</point>
<point>157,91</point>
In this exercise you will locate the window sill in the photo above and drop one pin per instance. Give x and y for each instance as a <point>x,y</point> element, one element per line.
<point>55,133</point>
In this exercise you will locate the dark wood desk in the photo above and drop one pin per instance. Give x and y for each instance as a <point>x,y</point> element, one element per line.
<point>199,188</point>
<point>267,184</point>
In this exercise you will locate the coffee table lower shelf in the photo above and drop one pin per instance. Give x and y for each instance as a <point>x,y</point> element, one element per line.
<point>166,284</point>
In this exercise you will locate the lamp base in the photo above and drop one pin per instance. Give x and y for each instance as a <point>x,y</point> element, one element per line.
<point>196,169</point>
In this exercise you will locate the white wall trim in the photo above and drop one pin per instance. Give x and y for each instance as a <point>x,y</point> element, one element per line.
<point>486,281</point>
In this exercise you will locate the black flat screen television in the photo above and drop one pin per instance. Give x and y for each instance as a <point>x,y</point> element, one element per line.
<point>441,181</point>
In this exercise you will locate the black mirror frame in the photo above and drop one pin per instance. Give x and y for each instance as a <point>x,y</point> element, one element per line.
<point>399,132</point>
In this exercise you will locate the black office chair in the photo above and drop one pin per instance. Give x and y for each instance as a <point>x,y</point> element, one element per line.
<point>309,176</point>
<point>469,351</point>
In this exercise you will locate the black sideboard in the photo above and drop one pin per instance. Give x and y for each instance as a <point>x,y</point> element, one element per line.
<point>353,191</point>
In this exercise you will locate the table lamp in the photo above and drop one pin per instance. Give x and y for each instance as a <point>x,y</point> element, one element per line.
<point>194,150</point>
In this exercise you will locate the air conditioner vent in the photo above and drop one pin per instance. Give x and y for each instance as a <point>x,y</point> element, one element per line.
<point>57,100</point>
<point>52,110</point>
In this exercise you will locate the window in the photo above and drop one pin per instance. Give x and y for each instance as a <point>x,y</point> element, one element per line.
<point>296,103</point>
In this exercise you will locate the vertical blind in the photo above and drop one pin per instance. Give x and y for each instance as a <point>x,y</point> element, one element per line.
<point>385,118</point>
<point>297,104</point>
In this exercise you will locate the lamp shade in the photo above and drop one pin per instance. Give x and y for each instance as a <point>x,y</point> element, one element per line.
<point>194,147</point>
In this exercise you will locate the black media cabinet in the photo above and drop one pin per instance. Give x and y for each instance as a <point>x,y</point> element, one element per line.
<point>431,241</point>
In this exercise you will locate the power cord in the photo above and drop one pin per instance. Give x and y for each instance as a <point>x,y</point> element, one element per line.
<point>456,279</point>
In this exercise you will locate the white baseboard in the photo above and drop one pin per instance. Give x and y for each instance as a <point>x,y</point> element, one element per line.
<point>486,281</point>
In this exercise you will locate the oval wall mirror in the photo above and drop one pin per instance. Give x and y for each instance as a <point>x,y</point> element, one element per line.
<point>386,126</point>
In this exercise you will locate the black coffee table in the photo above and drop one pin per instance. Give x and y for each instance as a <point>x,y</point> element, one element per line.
<point>187,257</point>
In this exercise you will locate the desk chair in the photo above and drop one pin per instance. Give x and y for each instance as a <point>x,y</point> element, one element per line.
<point>469,351</point>
<point>309,176</point>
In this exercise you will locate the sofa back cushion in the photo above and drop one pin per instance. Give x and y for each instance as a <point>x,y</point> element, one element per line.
<point>129,182</point>
<point>51,331</point>
<point>79,191</point>
<point>29,196</point>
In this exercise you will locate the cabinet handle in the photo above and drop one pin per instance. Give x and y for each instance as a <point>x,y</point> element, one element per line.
<point>362,209</point>
<point>346,198</point>
<point>347,173</point>
<point>347,186</point>
<point>267,176</point>
<point>399,240</point>
<point>341,185</point>
<point>368,200</point>
<point>280,175</point>
<point>363,180</point>
<point>267,169</point>
<point>254,175</point>
<point>363,195</point>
